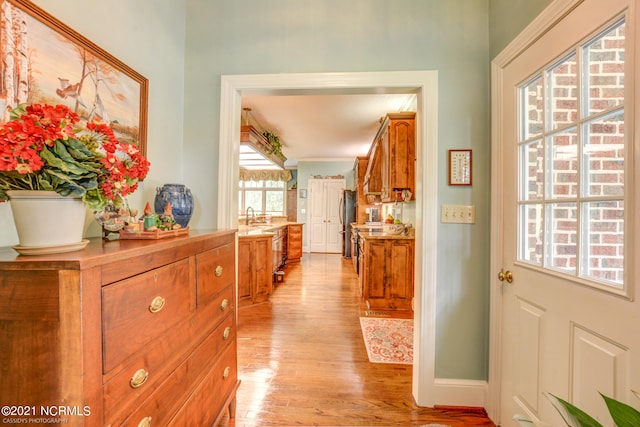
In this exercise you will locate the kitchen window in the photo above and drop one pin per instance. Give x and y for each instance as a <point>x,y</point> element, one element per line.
<point>265,197</point>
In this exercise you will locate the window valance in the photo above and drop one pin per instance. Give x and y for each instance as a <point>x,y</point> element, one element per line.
<point>265,175</point>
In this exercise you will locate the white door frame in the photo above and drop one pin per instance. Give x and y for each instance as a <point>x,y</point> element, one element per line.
<point>425,84</point>
<point>552,14</point>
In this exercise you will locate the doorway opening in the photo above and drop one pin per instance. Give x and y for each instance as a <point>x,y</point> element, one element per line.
<point>425,85</point>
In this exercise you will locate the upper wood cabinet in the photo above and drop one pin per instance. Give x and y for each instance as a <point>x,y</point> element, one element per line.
<point>373,175</point>
<point>392,157</point>
<point>359,170</point>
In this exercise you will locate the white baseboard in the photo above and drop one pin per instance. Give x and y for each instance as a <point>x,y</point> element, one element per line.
<point>452,392</point>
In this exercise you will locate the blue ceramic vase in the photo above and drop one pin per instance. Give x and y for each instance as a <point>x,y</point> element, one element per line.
<point>180,199</point>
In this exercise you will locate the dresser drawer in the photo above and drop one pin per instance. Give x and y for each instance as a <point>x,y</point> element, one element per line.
<point>136,311</point>
<point>216,271</point>
<point>218,308</point>
<point>206,402</point>
<point>134,383</point>
<point>164,402</point>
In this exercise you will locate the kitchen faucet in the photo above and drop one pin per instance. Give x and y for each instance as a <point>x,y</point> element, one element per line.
<point>253,215</point>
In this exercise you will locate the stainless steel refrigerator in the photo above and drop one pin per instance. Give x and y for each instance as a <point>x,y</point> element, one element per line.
<point>348,206</point>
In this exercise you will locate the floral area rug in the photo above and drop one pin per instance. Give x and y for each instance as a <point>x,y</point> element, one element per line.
<point>388,340</point>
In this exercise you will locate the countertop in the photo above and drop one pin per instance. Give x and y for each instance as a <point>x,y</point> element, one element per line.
<point>380,234</point>
<point>262,229</point>
<point>368,231</point>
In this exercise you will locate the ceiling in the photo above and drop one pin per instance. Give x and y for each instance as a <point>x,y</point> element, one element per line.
<point>324,127</point>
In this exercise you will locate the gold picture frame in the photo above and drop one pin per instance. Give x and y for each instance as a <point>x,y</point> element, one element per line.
<point>46,62</point>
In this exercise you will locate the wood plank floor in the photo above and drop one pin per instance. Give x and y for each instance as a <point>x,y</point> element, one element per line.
<point>302,360</point>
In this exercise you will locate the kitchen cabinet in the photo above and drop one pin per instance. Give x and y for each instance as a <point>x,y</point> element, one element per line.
<point>255,261</point>
<point>373,174</point>
<point>359,171</point>
<point>294,242</point>
<point>125,332</point>
<point>279,247</point>
<point>387,276</point>
<point>392,157</point>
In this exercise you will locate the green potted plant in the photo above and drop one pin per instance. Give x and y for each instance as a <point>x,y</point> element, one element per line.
<point>274,141</point>
<point>622,414</point>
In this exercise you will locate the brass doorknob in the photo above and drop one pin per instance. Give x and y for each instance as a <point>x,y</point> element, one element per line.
<point>505,275</point>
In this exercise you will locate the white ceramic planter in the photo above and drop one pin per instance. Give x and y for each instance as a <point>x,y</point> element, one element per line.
<point>44,219</point>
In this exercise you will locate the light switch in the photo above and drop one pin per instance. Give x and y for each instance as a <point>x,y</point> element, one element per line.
<point>458,214</point>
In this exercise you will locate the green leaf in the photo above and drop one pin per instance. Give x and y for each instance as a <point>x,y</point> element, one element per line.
<point>61,160</point>
<point>78,150</point>
<point>71,189</point>
<point>572,415</point>
<point>623,414</point>
<point>45,184</point>
<point>17,112</point>
<point>522,420</point>
<point>95,200</point>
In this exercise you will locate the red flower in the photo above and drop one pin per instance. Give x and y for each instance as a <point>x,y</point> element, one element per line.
<point>43,139</point>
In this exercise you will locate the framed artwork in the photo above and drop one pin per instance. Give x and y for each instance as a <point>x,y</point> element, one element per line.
<point>46,62</point>
<point>460,170</point>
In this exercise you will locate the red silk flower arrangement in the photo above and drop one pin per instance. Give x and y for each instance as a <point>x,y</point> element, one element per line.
<point>43,147</point>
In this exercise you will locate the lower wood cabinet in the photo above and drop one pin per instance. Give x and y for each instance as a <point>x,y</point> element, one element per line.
<point>386,273</point>
<point>278,248</point>
<point>255,271</point>
<point>294,252</point>
<point>131,332</point>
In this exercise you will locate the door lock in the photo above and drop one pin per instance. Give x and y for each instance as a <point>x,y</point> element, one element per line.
<point>505,275</point>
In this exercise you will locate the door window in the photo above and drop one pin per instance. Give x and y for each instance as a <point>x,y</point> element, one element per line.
<point>571,151</point>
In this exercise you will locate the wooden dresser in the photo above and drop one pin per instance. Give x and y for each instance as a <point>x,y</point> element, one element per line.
<point>130,332</point>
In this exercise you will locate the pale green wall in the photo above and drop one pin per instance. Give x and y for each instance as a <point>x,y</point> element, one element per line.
<point>185,46</point>
<point>452,36</point>
<point>507,18</point>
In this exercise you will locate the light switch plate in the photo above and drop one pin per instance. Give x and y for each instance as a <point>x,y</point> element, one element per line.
<point>458,214</point>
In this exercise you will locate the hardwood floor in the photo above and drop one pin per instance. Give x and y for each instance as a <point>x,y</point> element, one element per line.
<point>302,360</point>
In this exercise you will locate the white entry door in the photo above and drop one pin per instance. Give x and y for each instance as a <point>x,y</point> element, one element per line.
<point>324,215</point>
<point>568,211</point>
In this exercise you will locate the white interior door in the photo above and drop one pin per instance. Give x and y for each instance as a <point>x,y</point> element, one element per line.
<point>324,215</point>
<point>569,321</point>
<point>334,190</point>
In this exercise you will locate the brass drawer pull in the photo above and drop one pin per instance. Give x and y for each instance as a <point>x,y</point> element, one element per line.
<point>139,378</point>
<point>145,422</point>
<point>226,333</point>
<point>218,271</point>
<point>224,304</point>
<point>157,304</point>
<point>226,373</point>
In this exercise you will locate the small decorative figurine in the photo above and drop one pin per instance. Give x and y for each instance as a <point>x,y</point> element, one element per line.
<point>166,220</point>
<point>150,219</point>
